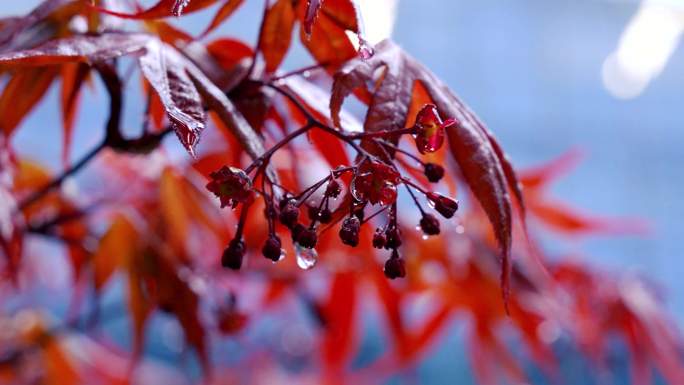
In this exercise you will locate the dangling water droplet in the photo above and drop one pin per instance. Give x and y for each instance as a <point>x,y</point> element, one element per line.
<point>418,228</point>
<point>431,203</point>
<point>366,51</point>
<point>306,258</point>
<point>424,237</point>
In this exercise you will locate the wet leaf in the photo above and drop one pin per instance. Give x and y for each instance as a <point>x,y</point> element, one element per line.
<point>22,93</point>
<point>164,8</point>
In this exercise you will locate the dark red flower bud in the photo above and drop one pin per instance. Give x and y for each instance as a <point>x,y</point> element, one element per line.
<point>444,205</point>
<point>312,212</point>
<point>233,254</point>
<point>272,248</point>
<point>349,233</point>
<point>333,189</point>
<point>429,224</point>
<point>307,238</point>
<point>289,214</point>
<point>393,238</point>
<point>296,230</point>
<point>395,267</point>
<point>434,172</point>
<point>325,216</point>
<point>379,239</point>
<point>231,185</point>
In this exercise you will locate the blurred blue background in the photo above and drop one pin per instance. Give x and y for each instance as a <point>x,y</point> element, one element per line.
<point>606,76</point>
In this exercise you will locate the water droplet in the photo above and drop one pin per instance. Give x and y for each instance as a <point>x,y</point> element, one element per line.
<point>306,258</point>
<point>365,50</point>
<point>424,237</point>
<point>418,228</point>
<point>460,229</point>
<point>431,203</point>
<point>306,74</point>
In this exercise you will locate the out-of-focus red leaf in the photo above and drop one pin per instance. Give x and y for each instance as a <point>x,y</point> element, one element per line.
<point>117,246</point>
<point>537,178</point>
<point>21,94</point>
<point>229,52</point>
<point>59,369</point>
<point>168,33</point>
<point>222,15</point>
<point>276,33</point>
<point>73,77</point>
<point>565,219</point>
<point>339,315</point>
<point>471,145</point>
<point>164,8</point>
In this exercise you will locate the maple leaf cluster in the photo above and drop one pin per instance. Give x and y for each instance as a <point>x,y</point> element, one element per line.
<point>279,178</point>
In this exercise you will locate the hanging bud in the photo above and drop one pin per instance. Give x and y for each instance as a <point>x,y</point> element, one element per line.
<point>429,224</point>
<point>233,254</point>
<point>395,267</point>
<point>444,205</point>
<point>289,213</point>
<point>379,239</point>
<point>272,248</point>
<point>349,233</point>
<point>434,172</point>
<point>307,238</point>
<point>325,216</point>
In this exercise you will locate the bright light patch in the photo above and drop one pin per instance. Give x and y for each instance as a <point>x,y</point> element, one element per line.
<point>378,17</point>
<point>644,49</point>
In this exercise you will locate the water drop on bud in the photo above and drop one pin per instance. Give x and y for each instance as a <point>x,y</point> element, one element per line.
<point>444,205</point>
<point>306,258</point>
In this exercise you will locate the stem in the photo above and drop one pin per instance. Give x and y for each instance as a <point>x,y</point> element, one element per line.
<point>312,119</point>
<point>383,133</point>
<point>263,158</point>
<point>65,174</point>
<point>400,150</point>
<point>299,71</point>
<point>415,200</point>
